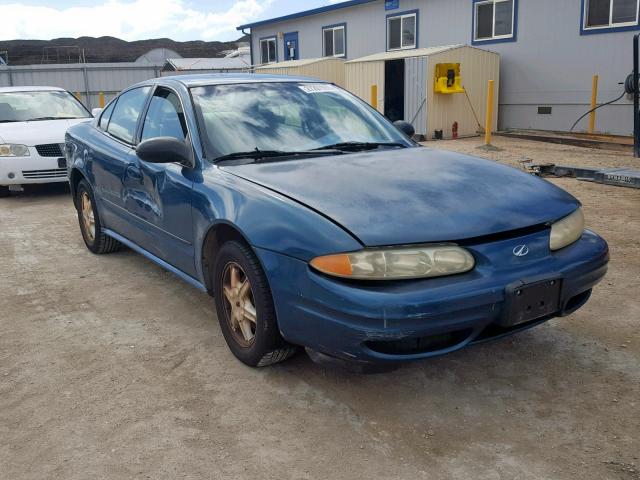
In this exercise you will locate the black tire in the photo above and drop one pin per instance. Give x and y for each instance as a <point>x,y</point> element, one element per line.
<point>4,191</point>
<point>267,346</point>
<point>97,242</point>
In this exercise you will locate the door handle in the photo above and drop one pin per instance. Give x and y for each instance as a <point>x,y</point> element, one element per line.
<point>134,173</point>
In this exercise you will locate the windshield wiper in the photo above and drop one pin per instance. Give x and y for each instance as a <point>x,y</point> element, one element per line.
<point>52,118</point>
<point>357,146</point>
<point>258,155</point>
<point>10,121</point>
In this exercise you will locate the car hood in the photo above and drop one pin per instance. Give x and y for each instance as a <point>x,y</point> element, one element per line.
<point>37,133</point>
<point>414,195</point>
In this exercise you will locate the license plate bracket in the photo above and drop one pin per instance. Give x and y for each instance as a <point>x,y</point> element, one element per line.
<point>531,301</point>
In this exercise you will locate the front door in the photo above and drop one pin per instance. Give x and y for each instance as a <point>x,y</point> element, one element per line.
<point>159,195</point>
<point>291,46</point>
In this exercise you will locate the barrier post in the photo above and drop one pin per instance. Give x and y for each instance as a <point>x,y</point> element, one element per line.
<point>488,125</point>
<point>594,104</point>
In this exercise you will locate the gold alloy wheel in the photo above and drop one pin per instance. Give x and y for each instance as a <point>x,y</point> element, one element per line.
<point>239,305</point>
<point>88,217</point>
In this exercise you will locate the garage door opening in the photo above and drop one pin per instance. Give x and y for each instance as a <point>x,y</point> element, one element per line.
<point>394,89</point>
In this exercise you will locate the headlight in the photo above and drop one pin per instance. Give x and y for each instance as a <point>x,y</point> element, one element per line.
<point>11,150</point>
<point>397,263</point>
<point>566,231</point>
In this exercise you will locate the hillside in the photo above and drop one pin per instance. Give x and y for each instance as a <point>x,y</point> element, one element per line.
<point>102,49</point>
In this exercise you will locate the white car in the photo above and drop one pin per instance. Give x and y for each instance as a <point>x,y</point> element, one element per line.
<point>33,122</point>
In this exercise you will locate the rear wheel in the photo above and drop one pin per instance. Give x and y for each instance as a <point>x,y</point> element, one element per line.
<point>245,308</point>
<point>4,191</point>
<point>90,226</point>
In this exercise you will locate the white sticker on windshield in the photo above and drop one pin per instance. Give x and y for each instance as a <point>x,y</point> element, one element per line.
<point>318,88</point>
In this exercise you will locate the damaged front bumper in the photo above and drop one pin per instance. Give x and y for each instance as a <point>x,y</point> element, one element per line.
<point>392,322</point>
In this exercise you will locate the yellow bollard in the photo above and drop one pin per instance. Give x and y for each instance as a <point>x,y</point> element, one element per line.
<point>488,125</point>
<point>78,96</point>
<point>374,96</point>
<point>594,104</point>
<point>101,99</point>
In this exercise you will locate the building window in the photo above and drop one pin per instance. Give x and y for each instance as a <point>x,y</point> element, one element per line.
<point>599,14</point>
<point>268,50</point>
<point>334,41</point>
<point>402,31</point>
<point>494,20</point>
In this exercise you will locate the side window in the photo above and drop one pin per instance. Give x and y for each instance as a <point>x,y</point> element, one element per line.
<point>401,31</point>
<point>601,14</point>
<point>333,39</point>
<point>106,115</point>
<point>494,20</point>
<point>126,112</point>
<point>165,117</point>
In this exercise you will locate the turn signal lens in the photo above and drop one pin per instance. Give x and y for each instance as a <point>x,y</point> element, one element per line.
<point>397,263</point>
<point>566,231</point>
<point>12,150</point>
<point>336,264</point>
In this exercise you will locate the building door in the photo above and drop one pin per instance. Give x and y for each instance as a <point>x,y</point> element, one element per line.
<point>394,89</point>
<point>291,46</point>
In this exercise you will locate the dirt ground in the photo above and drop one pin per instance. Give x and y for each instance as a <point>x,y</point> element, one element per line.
<point>112,368</point>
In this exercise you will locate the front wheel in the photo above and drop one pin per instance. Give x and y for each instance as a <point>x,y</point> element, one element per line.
<point>245,308</point>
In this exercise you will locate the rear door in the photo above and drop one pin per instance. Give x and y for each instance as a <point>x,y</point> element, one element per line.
<point>159,195</point>
<point>114,154</point>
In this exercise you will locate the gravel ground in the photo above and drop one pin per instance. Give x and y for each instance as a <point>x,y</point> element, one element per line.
<point>112,368</point>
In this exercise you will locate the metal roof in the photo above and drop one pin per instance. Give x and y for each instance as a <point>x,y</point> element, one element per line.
<point>416,52</point>
<point>298,63</point>
<point>227,63</point>
<point>158,56</point>
<point>30,89</point>
<point>306,13</point>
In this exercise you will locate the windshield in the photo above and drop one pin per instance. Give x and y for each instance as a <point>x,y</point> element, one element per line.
<point>287,117</point>
<point>43,105</point>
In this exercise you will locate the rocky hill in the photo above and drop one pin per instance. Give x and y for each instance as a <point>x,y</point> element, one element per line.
<point>102,49</point>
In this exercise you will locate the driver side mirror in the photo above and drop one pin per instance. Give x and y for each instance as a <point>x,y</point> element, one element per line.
<point>96,111</point>
<point>405,127</point>
<point>165,150</point>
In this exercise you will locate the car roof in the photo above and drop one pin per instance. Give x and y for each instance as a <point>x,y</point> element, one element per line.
<point>30,89</point>
<point>199,80</point>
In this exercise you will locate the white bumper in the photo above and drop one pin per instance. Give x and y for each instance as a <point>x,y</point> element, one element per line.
<point>31,169</point>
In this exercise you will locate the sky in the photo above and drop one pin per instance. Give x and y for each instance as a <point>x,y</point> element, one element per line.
<point>140,19</point>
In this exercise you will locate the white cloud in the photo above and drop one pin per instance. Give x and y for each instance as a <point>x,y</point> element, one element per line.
<point>130,20</point>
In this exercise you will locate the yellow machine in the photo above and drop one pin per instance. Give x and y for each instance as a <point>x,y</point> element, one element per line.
<point>448,79</point>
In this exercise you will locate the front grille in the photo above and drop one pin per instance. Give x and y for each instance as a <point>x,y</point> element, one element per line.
<point>49,150</point>
<point>54,173</point>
